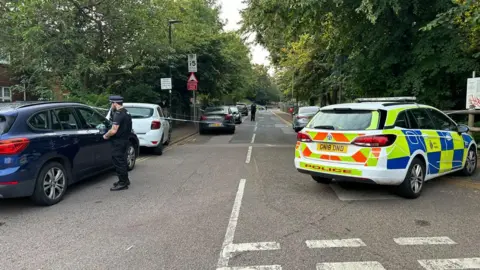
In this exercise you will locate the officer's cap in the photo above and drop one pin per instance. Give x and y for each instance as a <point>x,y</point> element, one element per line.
<point>115,99</point>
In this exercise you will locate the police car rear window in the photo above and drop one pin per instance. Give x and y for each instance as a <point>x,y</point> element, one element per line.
<point>139,112</point>
<point>345,120</point>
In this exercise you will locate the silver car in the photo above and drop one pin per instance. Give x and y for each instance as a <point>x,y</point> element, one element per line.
<point>301,119</point>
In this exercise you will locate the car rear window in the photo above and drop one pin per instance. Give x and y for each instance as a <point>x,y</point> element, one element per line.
<point>308,110</point>
<point>140,112</point>
<point>345,120</point>
<point>6,122</point>
<point>234,109</point>
<point>215,110</point>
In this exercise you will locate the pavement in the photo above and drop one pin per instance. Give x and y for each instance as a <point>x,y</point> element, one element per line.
<point>236,202</point>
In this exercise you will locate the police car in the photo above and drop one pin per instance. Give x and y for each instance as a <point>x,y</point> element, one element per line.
<point>386,141</point>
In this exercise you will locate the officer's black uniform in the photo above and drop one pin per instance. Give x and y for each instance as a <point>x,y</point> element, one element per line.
<point>120,142</point>
<point>254,110</point>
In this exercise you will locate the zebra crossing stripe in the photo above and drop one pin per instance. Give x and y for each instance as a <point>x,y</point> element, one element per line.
<point>371,265</point>
<point>444,264</point>
<point>413,241</point>
<point>335,243</point>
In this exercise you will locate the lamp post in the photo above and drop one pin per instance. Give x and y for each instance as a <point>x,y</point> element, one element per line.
<point>170,23</point>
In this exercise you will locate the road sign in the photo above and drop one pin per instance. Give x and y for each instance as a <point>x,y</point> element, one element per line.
<point>166,83</point>
<point>192,63</point>
<point>192,85</point>
<point>192,77</point>
<point>473,93</point>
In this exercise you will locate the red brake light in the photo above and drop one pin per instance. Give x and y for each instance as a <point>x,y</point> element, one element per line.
<point>303,137</point>
<point>375,141</point>
<point>155,125</point>
<point>13,146</point>
<point>203,118</point>
<point>228,117</point>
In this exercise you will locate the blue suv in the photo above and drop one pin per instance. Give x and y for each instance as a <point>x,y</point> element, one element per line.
<point>45,147</point>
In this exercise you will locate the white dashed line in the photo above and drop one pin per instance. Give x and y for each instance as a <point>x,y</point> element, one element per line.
<point>232,224</point>
<point>354,242</point>
<point>415,241</point>
<point>253,138</point>
<point>255,129</point>
<point>350,266</point>
<point>253,247</point>
<point>249,155</point>
<point>258,267</point>
<point>463,263</point>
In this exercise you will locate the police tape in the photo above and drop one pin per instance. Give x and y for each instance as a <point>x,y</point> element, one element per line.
<point>196,121</point>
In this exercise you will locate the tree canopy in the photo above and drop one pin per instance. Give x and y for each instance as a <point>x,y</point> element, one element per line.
<point>94,48</point>
<point>335,50</point>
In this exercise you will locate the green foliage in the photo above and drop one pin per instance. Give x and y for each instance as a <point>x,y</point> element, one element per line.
<point>333,51</point>
<point>96,48</point>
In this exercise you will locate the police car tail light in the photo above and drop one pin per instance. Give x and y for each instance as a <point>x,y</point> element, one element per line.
<point>303,137</point>
<point>155,125</point>
<point>13,146</point>
<point>375,141</point>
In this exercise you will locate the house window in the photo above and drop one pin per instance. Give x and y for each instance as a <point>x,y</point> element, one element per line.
<point>4,58</point>
<point>6,94</point>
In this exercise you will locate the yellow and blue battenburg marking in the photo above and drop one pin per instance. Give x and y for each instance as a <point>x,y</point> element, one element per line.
<point>445,150</point>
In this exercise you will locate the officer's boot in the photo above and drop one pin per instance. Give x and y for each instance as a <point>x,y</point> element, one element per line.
<point>121,184</point>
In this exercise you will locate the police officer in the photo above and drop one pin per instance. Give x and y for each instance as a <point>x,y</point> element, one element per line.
<point>253,110</point>
<point>118,135</point>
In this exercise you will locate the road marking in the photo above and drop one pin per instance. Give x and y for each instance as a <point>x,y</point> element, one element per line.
<point>232,224</point>
<point>252,247</point>
<point>373,265</point>
<point>363,194</point>
<point>253,138</point>
<point>130,247</point>
<point>142,159</point>
<point>354,242</point>
<point>257,267</point>
<point>255,129</point>
<point>463,263</point>
<point>283,120</point>
<point>249,154</point>
<point>413,241</point>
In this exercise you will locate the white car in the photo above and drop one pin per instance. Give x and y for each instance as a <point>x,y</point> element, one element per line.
<point>149,123</point>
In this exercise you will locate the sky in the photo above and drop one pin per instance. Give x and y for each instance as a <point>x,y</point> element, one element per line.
<point>231,14</point>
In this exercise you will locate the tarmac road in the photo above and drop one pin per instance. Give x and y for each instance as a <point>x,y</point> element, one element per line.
<point>237,202</point>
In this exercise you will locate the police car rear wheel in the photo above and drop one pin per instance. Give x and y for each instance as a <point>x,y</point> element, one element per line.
<point>470,163</point>
<point>412,186</point>
<point>322,180</point>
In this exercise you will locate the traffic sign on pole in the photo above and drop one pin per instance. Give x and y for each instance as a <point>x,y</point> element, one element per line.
<point>166,83</point>
<point>192,63</point>
<point>192,82</point>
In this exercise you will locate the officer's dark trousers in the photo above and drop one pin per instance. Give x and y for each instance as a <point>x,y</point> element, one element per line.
<point>119,159</point>
<point>252,118</point>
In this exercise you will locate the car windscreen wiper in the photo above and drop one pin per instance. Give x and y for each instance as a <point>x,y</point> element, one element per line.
<point>324,127</point>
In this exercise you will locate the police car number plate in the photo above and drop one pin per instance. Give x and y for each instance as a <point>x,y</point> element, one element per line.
<point>335,148</point>
<point>216,125</point>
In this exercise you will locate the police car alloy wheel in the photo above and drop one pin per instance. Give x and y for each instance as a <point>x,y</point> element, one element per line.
<point>471,162</point>
<point>412,186</point>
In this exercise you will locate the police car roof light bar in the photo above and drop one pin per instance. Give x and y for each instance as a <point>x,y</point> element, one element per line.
<point>387,99</point>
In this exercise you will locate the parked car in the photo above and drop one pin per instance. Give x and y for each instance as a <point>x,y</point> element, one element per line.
<point>150,125</point>
<point>243,108</point>
<point>237,116</point>
<point>45,147</point>
<point>301,119</point>
<point>218,118</point>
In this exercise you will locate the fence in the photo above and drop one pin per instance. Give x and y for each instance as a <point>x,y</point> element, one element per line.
<point>471,118</point>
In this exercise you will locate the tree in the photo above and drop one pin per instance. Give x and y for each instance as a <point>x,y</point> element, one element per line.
<point>364,48</point>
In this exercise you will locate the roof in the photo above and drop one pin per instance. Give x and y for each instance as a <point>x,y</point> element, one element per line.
<point>9,106</point>
<point>144,105</point>
<point>387,106</point>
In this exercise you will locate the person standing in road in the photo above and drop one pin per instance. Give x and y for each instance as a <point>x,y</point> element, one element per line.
<point>118,135</point>
<point>253,110</point>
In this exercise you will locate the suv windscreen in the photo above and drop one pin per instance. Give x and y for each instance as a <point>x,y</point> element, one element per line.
<point>234,109</point>
<point>140,112</point>
<point>345,120</point>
